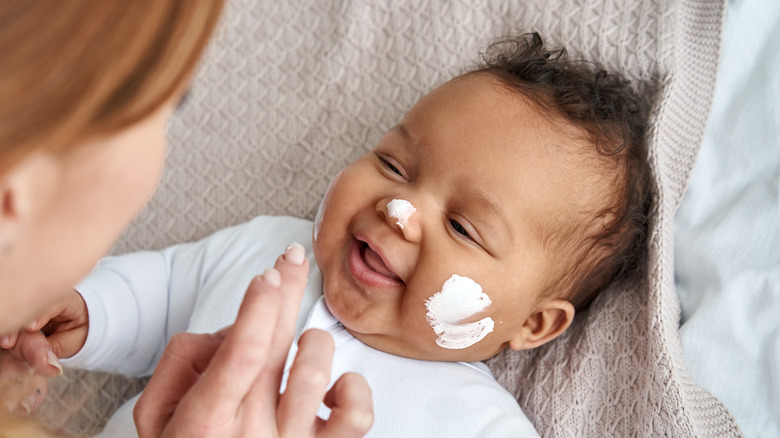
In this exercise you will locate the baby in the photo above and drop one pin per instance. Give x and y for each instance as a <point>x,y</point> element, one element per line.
<point>501,204</point>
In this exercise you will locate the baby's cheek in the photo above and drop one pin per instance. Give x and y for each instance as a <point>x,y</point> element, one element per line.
<point>450,310</point>
<point>323,206</point>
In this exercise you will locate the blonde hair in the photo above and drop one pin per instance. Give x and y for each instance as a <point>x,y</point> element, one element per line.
<point>79,69</point>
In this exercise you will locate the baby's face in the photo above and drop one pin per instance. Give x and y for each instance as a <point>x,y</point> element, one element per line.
<point>432,245</point>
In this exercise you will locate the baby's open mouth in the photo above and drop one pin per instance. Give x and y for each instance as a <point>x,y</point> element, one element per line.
<point>369,268</point>
<point>375,262</point>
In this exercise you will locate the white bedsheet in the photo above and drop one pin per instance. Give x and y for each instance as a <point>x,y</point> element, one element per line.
<point>727,230</point>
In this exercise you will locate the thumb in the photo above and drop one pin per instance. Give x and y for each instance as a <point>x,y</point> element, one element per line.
<point>183,362</point>
<point>36,350</point>
<point>68,342</point>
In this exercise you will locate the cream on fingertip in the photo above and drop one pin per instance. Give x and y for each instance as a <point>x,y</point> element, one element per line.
<point>295,253</point>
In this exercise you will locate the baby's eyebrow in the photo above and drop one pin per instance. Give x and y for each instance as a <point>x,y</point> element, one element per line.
<point>481,198</point>
<point>491,207</point>
<point>403,130</point>
<point>409,140</point>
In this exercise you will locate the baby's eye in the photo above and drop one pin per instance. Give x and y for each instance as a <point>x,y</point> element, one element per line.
<point>390,166</point>
<point>459,228</point>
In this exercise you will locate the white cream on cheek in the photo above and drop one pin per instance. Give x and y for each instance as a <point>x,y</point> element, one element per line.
<point>321,208</point>
<point>459,298</point>
<point>401,210</point>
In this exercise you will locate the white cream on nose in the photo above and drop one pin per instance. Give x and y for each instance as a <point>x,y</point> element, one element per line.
<point>401,210</point>
<point>459,298</point>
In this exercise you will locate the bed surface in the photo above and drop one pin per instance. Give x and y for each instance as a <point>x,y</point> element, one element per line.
<point>727,230</point>
<point>289,92</point>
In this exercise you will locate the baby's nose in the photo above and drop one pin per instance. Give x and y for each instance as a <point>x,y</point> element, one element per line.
<point>400,210</point>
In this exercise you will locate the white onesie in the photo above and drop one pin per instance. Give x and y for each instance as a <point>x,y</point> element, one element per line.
<point>137,301</point>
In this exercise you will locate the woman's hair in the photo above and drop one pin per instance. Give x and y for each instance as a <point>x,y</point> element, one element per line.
<point>74,70</point>
<point>607,243</point>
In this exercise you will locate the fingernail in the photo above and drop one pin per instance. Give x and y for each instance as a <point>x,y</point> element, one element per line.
<point>52,360</point>
<point>28,403</point>
<point>5,341</point>
<point>295,253</point>
<point>31,325</point>
<point>272,277</point>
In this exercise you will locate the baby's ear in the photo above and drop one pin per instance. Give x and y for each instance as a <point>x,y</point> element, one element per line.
<point>544,325</point>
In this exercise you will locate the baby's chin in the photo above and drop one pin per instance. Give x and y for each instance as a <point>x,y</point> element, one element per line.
<point>417,347</point>
<point>411,350</point>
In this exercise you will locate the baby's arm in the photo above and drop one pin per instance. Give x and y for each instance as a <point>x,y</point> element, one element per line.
<point>117,321</point>
<point>117,324</point>
<point>127,299</point>
<point>137,302</point>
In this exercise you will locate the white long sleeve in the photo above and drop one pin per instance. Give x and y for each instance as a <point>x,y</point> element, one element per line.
<point>137,301</point>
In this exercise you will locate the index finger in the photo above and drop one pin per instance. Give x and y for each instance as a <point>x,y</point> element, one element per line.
<point>245,350</point>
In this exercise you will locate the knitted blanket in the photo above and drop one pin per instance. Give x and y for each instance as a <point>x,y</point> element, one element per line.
<point>290,92</point>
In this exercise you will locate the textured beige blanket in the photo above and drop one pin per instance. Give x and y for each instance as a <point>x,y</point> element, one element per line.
<point>291,91</point>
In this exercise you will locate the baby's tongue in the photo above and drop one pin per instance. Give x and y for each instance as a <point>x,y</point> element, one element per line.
<point>375,262</point>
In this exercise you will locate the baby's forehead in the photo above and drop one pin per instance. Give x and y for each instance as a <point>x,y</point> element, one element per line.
<point>475,129</point>
<point>563,187</point>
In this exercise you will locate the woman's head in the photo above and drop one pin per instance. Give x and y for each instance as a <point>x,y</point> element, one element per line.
<point>87,87</point>
<point>85,68</point>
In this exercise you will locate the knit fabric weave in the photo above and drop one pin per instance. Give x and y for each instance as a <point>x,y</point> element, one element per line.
<point>290,92</point>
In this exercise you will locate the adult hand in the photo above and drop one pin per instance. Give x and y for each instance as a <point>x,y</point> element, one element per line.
<point>60,332</point>
<point>20,388</point>
<point>30,356</point>
<point>227,383</point>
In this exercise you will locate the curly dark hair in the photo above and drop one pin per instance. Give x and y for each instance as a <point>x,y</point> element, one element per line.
<point>610,242</point>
